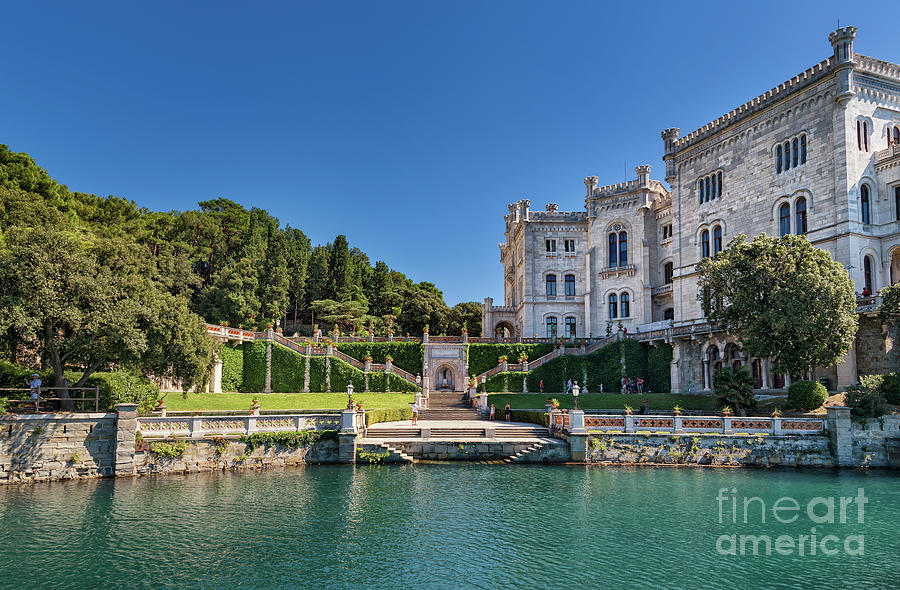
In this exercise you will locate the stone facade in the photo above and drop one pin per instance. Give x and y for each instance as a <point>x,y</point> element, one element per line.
<point>814,155</point>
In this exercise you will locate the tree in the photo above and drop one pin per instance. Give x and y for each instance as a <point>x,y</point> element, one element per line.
<point>346,314</point>
<point>465,315</point>
<point>734,388</point>
<point>782,298</point>
<point>339,269</point>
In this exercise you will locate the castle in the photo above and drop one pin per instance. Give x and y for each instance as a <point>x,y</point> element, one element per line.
<point>818,155</point>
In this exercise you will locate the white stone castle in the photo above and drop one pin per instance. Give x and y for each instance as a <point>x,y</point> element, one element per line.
<point>817,155</point>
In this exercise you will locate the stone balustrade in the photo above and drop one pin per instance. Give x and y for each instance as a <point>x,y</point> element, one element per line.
<point>203,426</point>
<point>655,424</point>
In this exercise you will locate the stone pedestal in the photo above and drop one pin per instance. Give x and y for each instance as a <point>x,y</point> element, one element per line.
<point>347,447</point>
<point>576,422</point>
<point>578,446</point>
<point>126,426</point>
<point>215,381</point>
<point>348,421</point>
<point>841,438</point>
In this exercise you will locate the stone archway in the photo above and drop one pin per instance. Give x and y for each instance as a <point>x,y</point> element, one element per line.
<point>446,378</point>
<point>504,329</point>
<point>895,265</point>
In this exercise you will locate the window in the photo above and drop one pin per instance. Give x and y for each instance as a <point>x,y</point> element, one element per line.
<point>708,193</point>
<point>787,156</point>
<point>778,160</point>
<point>715,187</point>
<point>551,327</point>
<point>700,190</point>
<point>613,249</point>
<point>569,245</point>
<point>859,135</point>
<point>623,248</point>
<point>796,144</point>
<point>862,136</point>
<point>867,272</point>
<point>704,244</point>
<point>784,219</point>
<point>790,154</point>
<point>551,245</point>
<point>800,216</point>
<point>668,272</point>
<point>626,305</point>
<point>709,187</point>
<point>864,202</point>
<point>803,149</point>
<point>551,284</point>
<point>717,239</point>
<point>893,135</point>
<point>570,327</point>
<point>669,313</point>
<point>613,306</point>
<point>667,231</point>
<point>897,201</point>
<point>721,186</point>
<point>570,285</point>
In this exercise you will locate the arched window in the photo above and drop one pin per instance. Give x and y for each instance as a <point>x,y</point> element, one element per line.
<point>867,272</point>
<point>613,249</point>
<point>700,191</point>
<point>778,160</point>
<point>668,273</point>
<point>859,135</point>
<point>551,327</point>
<point>570,285</point>
<point>707,189</point>
<point>897,201</point>
<point>800,216</point>
<point>570,327</point>
<point>715,187</point>
<point>784,219</point>
<point>787,155</point>
<point>864,202</point>
<point>623,248</point>
<point>721,186</point>
<point>626,305</point>
<point>613,306</point>
<point>896,135</point>
<point>717,239</point>
<point>866,135</point>
<point>551,284</point>
<point>796,159</point>
<point>803,149</point>
<point>704,244</point>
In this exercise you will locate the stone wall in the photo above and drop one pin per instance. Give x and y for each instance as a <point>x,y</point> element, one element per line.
<point>701,449</point>
<point>207,455</point>
<point>875,352</point>
<point>876,443</point>
<point>46,447</point>
<point>481,450</point>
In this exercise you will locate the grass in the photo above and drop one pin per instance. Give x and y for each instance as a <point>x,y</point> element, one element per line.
<point>606,401</point>
<point>284,401</point>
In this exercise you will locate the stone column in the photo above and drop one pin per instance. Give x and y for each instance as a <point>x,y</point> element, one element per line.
<point>306,369</point>
<point>787,380</point>
<point>347,437</point>
<point>674,372</point>
<point>126,426</point>
<point>839,430</point>
<point>215,382</point>
<point>578,446</point>
<point>705,375</point>
<point>764,364</point>
<point>576,422</point>
<point>268,388</point>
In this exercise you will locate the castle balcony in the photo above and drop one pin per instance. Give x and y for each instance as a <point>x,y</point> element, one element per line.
<point>868,305</point>
<point>887,158</point>
<point>616,271</point>
<point>661,290</point>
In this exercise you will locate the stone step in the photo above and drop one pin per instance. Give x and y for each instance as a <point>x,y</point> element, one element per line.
<point>457,432</point>
<point>448,414</point>
<point>522,432</point>
<point>397,452</point>
<point>395,433</point>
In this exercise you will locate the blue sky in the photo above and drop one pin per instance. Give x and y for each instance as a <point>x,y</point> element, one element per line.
<point>407,126</point>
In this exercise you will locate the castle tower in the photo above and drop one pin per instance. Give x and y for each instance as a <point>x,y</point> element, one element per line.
<point>669,136</point>
<point>842,62</point>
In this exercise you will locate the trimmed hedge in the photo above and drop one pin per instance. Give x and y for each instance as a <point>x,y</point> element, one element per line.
<point>392,415</point>
<point>232,368</point>
<point>406,355</point>
<point>483,357</point>
<point>806,395</point>
<point>124,387</point>
<point>288,369</point>
<point>254,366</point>
<point>342,374</point>
<point>542,418</point>
<point>602,366</point>
<point>317,374</point>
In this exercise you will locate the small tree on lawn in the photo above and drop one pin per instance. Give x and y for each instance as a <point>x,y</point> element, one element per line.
<point>734,388</point>
<point>783,298</point>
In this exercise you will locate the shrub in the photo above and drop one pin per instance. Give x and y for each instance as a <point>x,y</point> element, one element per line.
<point>372,457</point>
<point>659,360</point>
<point>806,395</point>
<point>317,374</point>
<point>864,400</point>
<point>4,405</point>
<point>124,387</point>
<point>510,381</point>
<point>170,450</point>
<point>232,368</point>
<point>406,355</point>
<point>483,357</point>
<point>890,388</point>
<point>734,389</point>
<point>343,373</point>
<point>542,418</point>
<point>289,438</point>
<point>254,366</point>
<point>288,369</point>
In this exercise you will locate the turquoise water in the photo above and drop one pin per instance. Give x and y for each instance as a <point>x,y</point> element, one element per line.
<point>439,526</point>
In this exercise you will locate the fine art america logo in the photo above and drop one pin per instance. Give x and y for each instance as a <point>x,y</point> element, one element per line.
<point>818,513</point>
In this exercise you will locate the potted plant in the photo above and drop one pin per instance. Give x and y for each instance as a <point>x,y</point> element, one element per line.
<point>776,413</point>
<point>677,410</point>
<point>465,330</point>
<point>368,358</point>
<point>359,406</point>
<point>425,329</point>
<point>554,403</point>
<point>502,359</point>
<point>225,323</point>
<point>726,411</point>
<point>523,358</point>
<point>629,410</point>
<point>388,358</point>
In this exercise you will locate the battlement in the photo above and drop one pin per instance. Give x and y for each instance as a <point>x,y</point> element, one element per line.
<point>870,65</point>
<point>557,216</point>
<point>754,105</point>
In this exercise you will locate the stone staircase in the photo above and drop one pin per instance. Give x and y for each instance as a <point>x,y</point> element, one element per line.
<point>412,432</point>
<point>525,455</point>
<point>448,406</point>
<point>394,455</point>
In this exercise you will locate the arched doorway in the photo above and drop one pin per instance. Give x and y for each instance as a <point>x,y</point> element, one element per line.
<point>504,330</point>
<point>445,378</point>
<point>895,265</point>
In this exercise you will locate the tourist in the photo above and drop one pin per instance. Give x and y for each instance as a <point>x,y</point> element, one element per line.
<point>541,385</point>
<point>645,407</point>
<point>508,411</point>
<point>569,386</point>
<point>415,411</point>
<point>492,412</point>
<point>624,385</point>
<point>640,385</point>
<point>35,385</point>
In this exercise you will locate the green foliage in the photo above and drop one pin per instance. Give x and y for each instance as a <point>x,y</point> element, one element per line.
<point>171,450</point>
<point>317,374</point>
<point>734,389</point>
<point>865,400</point>
<point>124,387</point>
<point>510,381</point>
<point>806,395</point>
<point>290,439</point>
<point>4,405</point>
<point>890,304</point>
<point>542,418</point>
<point>232,368</point>
<point>888,385</point>
<point>288,369</point>
<point>783,298</point>
<point>659,360</point>
<point>406,355</point>
<point>343,373</point>
<point>399,385</point>
<point>254,366</point>
<point>483,357</point>
<point>372,457</point>
<point>601,366</point>
<point>388,415</point>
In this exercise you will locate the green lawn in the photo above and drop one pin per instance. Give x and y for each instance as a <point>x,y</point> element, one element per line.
<point>284,401</point>
<point>608,401</point>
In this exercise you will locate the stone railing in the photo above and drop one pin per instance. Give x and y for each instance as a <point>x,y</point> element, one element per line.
<point>868,304</point>
<point>348,359</point>
<point>661,290</point>
<point>640,424</point>
<point>887,154</point>
<point>233,333</point>
<point>203,426</point>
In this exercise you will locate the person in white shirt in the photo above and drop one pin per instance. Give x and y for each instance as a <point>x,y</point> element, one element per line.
<point>35,385</point>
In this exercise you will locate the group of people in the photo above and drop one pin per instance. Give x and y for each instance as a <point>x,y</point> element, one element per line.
<point>507,410</point>
<point>630,385</point>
